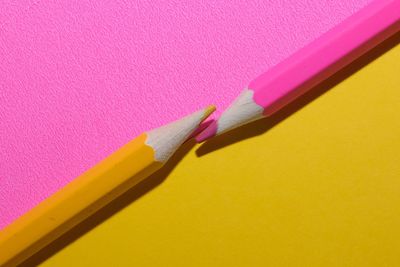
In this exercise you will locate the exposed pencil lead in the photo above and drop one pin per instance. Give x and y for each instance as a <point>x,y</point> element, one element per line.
<point>167,139</point>
<point>242,111</point>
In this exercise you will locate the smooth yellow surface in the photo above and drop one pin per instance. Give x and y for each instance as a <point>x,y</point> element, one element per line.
<point>77,200</point>
<point>322,188</point>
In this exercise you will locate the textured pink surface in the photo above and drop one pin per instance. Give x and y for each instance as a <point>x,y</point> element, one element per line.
<point>80,78</point>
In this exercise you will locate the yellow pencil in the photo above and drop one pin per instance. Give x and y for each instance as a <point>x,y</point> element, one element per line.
<point>94,189</point>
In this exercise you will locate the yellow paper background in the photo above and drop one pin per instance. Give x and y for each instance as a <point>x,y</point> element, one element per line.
<point>320,188</point>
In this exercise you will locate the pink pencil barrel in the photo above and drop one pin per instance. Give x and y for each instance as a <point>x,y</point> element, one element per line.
<point>309,66</point>
<point>326,55</point>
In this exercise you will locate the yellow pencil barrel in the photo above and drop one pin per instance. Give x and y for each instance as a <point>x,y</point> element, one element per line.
<point>94,189</point>
<point>76,201</point>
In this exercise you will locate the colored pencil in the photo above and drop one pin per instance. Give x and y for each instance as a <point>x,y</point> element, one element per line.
<point>94,189</point>
<point>310,65</point>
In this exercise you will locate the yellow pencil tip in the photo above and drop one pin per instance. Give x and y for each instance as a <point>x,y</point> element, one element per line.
<point>208,111</point>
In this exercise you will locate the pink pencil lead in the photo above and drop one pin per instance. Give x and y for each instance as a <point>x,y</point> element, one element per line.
<point>208,132</point>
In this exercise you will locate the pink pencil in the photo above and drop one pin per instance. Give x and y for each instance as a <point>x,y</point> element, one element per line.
<point>310,65</point>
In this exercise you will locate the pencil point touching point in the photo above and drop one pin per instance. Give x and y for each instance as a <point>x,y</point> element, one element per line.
<point>242,111</point>
<point>166,139</point>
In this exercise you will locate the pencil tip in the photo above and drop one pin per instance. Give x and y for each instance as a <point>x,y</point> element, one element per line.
<point>208,111</point>
<point>167,139</point>
<point>242,111</point>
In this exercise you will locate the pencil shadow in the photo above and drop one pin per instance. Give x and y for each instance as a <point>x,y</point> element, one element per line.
<point>112,208</point>
<point>261,126</point>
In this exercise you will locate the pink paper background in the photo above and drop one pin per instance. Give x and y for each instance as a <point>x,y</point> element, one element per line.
<point>78,79</point>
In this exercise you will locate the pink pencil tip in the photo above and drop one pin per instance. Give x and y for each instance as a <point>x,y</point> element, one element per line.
<point>209,132</point>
